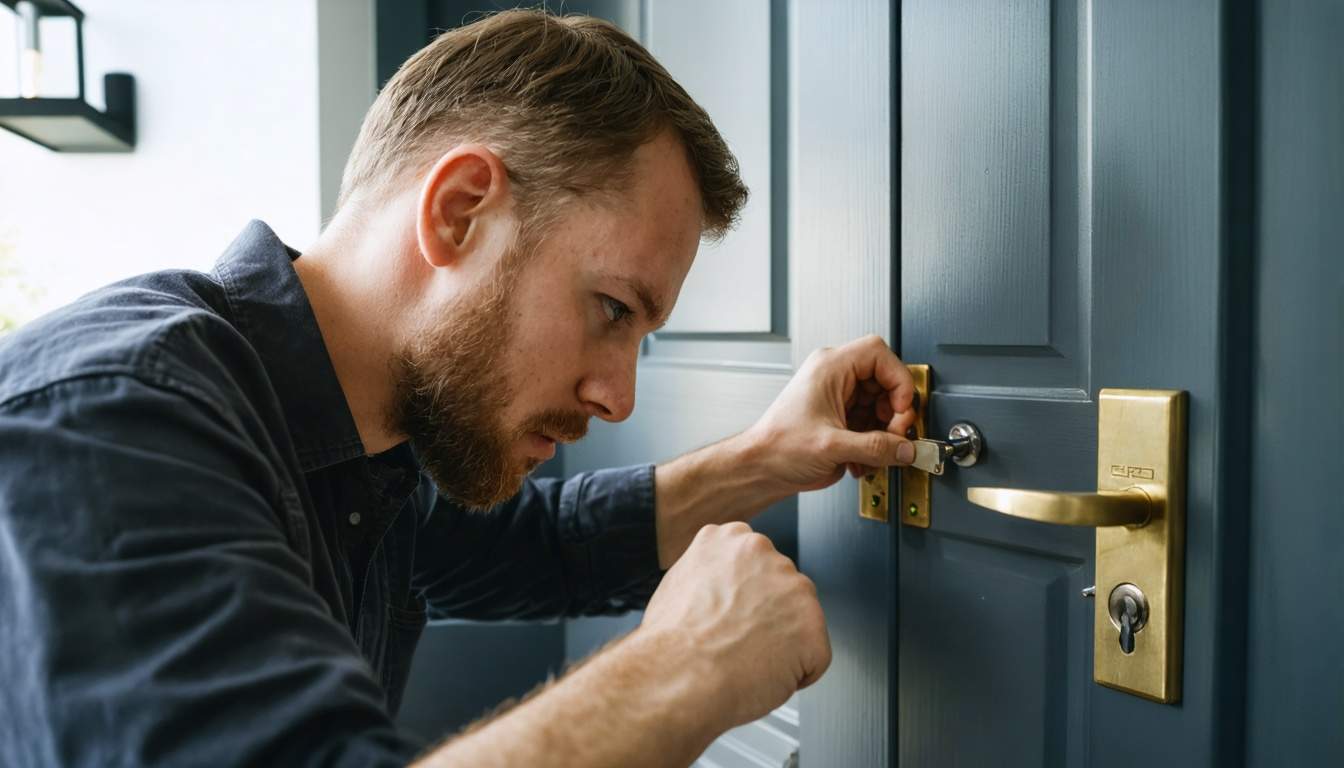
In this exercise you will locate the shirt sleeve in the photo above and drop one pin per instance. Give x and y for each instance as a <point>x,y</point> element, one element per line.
<point>151,602</point>
<point>584,546</point>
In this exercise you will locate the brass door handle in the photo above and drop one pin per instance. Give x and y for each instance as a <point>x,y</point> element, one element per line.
<point>1130,507</point>
<point>1138,509</point>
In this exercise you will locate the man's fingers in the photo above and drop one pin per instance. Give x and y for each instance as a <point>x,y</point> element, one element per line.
<point>871,358</point>
<point>874,448</point>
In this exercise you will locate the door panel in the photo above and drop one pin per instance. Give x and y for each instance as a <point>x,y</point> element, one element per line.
<point>840,228</point>
<point>1296,579</point>
<point>1035,593</point>
<point>1059,234</point>
<point>993,231</point>
<point>978,75</point>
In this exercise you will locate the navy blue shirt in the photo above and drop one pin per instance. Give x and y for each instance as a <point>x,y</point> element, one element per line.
<point>200,565</point>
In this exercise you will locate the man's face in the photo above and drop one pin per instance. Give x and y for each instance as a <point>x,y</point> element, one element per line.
<point>552,337</point>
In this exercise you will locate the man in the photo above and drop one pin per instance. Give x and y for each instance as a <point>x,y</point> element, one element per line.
<point>228,502</point>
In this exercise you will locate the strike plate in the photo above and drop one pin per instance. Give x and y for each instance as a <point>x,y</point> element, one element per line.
<point>1141,444</point>
<point>873,502</point>
<point>917,486</point>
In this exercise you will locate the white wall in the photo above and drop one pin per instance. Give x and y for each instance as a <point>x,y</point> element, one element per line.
<point>228,129</point>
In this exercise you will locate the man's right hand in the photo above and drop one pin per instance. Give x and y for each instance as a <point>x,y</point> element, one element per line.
<point>743,615</point>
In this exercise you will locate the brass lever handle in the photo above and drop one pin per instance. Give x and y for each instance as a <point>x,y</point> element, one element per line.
<point>1129,507</point>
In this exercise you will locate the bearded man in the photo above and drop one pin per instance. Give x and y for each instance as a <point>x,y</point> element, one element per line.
<point>229,502</point>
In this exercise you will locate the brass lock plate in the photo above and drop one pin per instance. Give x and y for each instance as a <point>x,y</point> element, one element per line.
<point>917,486</point>
<point>873,501</point>
<point>1141,444</point>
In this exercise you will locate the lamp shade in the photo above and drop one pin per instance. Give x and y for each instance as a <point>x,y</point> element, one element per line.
<point>70,124</point>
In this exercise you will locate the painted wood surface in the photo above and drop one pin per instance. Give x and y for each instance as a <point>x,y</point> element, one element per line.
<point>841,234</point>
<point>1115,151</point>
<point>977,78</point>
<point>1295,713</point>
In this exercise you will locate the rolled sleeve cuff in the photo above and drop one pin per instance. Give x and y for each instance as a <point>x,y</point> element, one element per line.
<point>609,534</point>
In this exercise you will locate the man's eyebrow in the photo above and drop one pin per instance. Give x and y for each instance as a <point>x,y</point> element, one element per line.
<point>652,308</point>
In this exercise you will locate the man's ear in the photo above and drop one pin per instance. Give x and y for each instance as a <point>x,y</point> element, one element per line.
<point>464,186</point>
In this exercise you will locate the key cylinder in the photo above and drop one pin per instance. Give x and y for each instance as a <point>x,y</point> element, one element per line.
<point>1129,613</point>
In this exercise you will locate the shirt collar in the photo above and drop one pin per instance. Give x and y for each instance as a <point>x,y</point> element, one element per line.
<point>271,309</point>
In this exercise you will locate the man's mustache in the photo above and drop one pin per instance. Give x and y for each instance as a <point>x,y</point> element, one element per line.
<point>559,425</point>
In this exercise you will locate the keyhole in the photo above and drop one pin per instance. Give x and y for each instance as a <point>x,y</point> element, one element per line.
<point>1129,613</point>
<point>1127,620</point>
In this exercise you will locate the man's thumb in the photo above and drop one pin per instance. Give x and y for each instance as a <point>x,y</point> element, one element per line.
<point>874,448</point>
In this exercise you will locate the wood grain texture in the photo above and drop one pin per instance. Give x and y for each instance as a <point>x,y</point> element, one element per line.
<point>841,234</point>
<point>1296,679</point>
<point>994,643</point>
<point>994,646</point>
<point>1157,269</point>
<point>975,100</point>
<point>995,193</point>
<point>1134,245</point>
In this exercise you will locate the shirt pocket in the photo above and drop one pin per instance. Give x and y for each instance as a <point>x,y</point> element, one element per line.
<point>404,628</point>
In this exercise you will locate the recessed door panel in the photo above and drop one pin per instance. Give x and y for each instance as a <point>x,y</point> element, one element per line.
<point>987,622</point>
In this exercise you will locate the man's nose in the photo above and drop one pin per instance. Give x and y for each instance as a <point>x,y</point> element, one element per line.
<point>609,393</point>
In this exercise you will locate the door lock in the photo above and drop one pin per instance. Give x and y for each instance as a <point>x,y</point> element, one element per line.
<point>1129,613</point>
<point>1138,510</point>
<point>963,446</point>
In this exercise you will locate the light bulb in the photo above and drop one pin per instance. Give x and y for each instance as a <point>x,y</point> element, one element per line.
<point>30,50</point>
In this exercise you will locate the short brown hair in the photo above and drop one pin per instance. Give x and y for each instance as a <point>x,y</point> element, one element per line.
<point>564,100</point>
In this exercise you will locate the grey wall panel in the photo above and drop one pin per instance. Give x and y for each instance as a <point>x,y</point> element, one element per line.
<point>977,81</point>
<point>841,234</point>
<point>1295,713</point>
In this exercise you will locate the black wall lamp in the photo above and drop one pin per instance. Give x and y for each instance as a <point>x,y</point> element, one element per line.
<point>65,124</point>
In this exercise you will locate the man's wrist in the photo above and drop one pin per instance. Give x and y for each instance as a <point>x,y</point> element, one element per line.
<point>720,483</point>
<point>685,682</point>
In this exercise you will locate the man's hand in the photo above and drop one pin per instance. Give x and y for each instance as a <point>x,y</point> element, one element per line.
<point>847,407</point>
<point>731,633</point>
<point>745,618</point>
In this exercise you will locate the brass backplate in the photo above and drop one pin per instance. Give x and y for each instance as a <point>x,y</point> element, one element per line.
<point>1141,444</point>
<point>873,499</point>
<point>916,486</point>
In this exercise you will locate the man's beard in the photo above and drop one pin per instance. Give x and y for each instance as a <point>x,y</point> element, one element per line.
<point>451,392</point>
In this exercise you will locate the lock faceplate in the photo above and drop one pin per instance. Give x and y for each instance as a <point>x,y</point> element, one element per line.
<point>873,495</point>
<point>916,486</point>
<point>1141,444</point>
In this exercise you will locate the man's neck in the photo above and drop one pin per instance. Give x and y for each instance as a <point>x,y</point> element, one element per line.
<point>352,295</point>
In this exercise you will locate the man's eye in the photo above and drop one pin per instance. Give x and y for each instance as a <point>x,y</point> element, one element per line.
<point>616,311</point>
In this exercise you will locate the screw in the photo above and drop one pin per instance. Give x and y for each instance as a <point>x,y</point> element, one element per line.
<point>914,510</point>
<point>876,501</point>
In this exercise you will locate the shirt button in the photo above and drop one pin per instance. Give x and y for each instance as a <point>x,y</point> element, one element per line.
<point>354,518</point>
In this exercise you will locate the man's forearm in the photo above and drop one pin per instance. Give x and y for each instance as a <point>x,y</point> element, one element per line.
<point>720,483</point>
<point>639,702</point>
